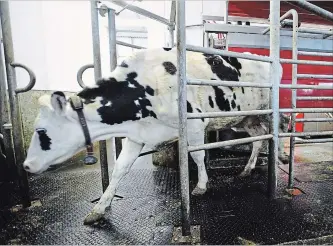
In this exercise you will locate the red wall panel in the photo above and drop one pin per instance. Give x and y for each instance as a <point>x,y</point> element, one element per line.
<point>285,94</point>
<point>260,9</point>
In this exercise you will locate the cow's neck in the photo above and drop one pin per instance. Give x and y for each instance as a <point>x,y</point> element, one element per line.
<point>100,131</point>
<point>103,131</point>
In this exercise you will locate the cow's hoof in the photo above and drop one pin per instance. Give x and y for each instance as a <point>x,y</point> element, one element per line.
<point>198,191</point>
<point>284,159</point>
<point>245,173</point>
<point>92,218</point>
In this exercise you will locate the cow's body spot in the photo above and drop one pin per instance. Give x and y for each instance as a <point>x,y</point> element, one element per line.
<point>123,64</point>
<point>170,67</point>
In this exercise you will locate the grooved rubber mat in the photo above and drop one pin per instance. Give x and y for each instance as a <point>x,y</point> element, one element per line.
<point>233,210</point>
<point>307,172</point>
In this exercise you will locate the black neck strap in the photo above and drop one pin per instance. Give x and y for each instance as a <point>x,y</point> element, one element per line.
<point>77,105</point>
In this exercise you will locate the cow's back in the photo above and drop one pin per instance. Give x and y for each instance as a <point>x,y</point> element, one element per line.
<point>157,68</point>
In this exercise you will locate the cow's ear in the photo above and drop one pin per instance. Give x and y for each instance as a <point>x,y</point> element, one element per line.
<point>58,101</point>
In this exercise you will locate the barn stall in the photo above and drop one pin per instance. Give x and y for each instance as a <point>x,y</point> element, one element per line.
<point>285,203</point>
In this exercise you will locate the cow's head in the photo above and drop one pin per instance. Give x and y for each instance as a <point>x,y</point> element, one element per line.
<point>57,134</point>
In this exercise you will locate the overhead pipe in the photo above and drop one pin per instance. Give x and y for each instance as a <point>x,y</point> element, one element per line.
<point>312,9</point>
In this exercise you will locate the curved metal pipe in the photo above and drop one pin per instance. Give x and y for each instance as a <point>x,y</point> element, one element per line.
<point>80,73</point>
<point>32,76</point>
<point>292,12</point>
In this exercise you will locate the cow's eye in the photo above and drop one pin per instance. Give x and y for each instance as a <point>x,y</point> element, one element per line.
<point>41,131</point>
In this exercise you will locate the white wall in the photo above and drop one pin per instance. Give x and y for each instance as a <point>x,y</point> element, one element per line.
<point>53,38</point>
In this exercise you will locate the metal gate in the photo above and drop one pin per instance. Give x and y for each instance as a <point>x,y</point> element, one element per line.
<point>274,84</point>
<point>105,153</point>
<point>13,152</point>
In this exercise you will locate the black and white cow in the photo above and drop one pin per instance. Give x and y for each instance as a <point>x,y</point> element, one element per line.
<point>139,101</point>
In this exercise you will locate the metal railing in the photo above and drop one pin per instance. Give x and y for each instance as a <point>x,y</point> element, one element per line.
<point>11,124</point>
<point>274,60</point>
<point>294,86</point>
<point>274,86</point>
<point>273,136</point>
<point>113,42</point>
<point>294,97</point>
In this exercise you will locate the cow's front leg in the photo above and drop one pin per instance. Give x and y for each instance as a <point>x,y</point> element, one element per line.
<point>283,156</point>
<point>201,186</point>
<point>127,157</point>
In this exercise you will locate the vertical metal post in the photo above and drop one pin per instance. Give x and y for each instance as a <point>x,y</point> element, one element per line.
<point>206,39</point>
<point>98,74</point>
<point>5,125</point>
<point>113,64</point>
<point>112,38</point>
<point>171,27</point>
<point>182,113</point>
<point>274,103</point>
<point>171,36</point>
<point>14,103</point>
<point>226,13</point>
<point>293,99</point>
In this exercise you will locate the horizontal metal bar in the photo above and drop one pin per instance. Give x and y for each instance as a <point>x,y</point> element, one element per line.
<point>313,44</point>
<point>304,62</point>
<point>212,51</point>
<point>315,31</point>
<point>264,21</point>
<point>32,78</point>
<point>227,28</point>
<point>229,143</point>
<point>315,98</point>
<point>130,45</point>
<point>226,83</point>
<point>141,11</point>
<point>327,35</point>
<point>212,18</point>
<point>314,76</point>
<point>238,29</point>
<point>314,120</point>
<point>133,29</point>
<point>308,53</point>
<point>306,110</point>
<point>317,87</point>
<point>234,19</point>
<point>305,141</point>
<point>228,114</point>
<point>304,134</point>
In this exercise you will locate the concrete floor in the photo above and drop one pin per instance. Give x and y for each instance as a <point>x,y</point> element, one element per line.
<point>312,152</point>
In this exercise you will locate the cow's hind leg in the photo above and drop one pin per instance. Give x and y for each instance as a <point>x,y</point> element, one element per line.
<point>253,128</point>
<point>196,137</point>
<point>253,159</point>
<point>127,157</point>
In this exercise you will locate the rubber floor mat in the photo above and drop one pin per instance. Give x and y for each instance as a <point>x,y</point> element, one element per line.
<point>234,210</point>
<point>307,172</point>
